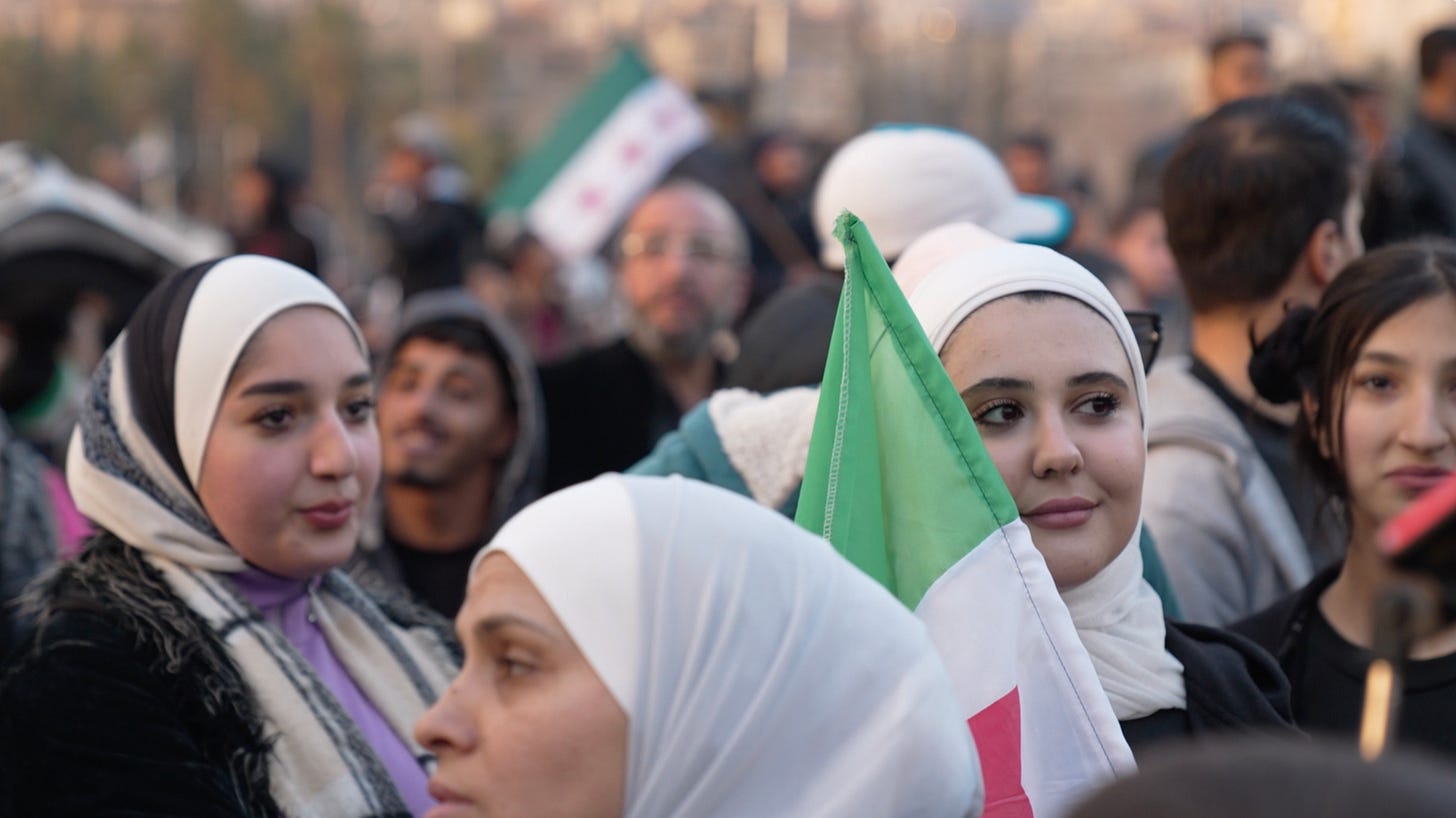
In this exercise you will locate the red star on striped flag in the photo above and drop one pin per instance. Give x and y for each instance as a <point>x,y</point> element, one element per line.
<point>666,118</point>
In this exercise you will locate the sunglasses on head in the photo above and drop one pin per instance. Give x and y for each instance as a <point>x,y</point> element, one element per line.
<point>1147,328</point>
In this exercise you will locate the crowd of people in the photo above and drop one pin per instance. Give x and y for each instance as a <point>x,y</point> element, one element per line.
<point>230,560</point>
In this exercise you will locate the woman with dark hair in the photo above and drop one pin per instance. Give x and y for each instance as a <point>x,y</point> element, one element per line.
<point>204,656</point>
<point>1374,368</point>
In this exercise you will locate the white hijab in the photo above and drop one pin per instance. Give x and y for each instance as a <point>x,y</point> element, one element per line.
<point>761,673</point>
<point>1117,614</point>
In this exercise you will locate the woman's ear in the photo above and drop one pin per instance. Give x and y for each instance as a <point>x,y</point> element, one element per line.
<point>1323,253</point>
<point>1329,250</point>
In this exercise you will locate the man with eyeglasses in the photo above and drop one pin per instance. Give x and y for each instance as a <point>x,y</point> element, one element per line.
<point>682,269</point>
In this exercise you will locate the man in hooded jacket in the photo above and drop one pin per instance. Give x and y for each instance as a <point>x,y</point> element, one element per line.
<point>462,441</point>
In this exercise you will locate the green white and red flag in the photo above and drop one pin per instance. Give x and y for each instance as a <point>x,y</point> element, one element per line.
<point>614,143</point>
<point>900,482</point>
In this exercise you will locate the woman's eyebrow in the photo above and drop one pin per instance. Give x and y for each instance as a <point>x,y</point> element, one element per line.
<point>293,387</point>
<point>1004,384</point>
<point>1094,378</point>
<point>491,624</point>
<point>1379,357</point>
<point>274,388</point>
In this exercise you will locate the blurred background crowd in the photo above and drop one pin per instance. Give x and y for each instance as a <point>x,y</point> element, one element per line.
<point>570,231</point>
<point>228,113</point>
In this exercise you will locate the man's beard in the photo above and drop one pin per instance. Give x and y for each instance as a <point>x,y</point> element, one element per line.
<point>679,348</point>
<point>682,347</point>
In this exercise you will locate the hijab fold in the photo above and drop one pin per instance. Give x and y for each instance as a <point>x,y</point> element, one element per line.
<point>1117,614</point>
<point>761,674</point>
<point>133,466</point>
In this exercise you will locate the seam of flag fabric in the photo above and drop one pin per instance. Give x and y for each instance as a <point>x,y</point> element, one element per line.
<point>836,456</point>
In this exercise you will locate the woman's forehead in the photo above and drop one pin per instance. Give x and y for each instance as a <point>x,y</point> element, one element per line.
<point>1040,334</point>
<point>499,590</point>
<point>296,335</point>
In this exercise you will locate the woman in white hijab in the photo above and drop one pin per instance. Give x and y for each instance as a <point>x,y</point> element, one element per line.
<point>657,647</point>
<point>1050,371</point>
<point>205,656</point>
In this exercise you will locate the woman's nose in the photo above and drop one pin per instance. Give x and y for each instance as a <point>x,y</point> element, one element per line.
<point>1429,423</point>
<point>443,726</point>
<point>333,454</point>
<point>1055,452</point>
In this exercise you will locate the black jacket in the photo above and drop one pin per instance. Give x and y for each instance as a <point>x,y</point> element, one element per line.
<point>1231,684</point>
<point>605,408</point>
<point>123,702</point>
<point>1413,188</point>
<point>1328,673</point>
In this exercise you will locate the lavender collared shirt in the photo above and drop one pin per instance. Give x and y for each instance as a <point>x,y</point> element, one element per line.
<point>284,603</point>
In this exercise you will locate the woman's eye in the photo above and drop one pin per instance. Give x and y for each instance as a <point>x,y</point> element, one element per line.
<point>361,409</point>
<point>1377,383</point>
<point>1100,405</point>
<point>998,414</point>
<point>513,668</point>
<point>274,419</point>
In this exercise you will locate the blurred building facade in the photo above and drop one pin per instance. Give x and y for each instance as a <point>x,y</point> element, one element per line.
<point>1100,78</point>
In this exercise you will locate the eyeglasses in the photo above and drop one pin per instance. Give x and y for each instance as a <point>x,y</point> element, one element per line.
<point>1147,328</point>
<point>695,246</point>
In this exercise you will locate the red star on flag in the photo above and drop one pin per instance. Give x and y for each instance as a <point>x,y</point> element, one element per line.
<point>632,152</point>
<point>590,198</point>
<point>665,118</point>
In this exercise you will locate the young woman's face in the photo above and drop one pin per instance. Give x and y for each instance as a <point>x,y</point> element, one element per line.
<point>1052,393</point>
<point>293,456</point>
<point>527,729</point>
<point>1399,433</point>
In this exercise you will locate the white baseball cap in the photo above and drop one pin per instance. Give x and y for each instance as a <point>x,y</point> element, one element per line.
<point>904,180</point>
